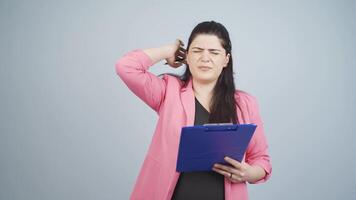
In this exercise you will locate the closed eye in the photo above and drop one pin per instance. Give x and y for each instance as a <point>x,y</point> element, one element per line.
<point>211,52</point>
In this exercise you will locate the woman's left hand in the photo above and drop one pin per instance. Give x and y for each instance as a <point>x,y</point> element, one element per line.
<point>237,173</point>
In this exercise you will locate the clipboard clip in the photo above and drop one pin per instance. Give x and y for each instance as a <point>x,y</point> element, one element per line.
<point>220,127</point>
<point>217,124</point>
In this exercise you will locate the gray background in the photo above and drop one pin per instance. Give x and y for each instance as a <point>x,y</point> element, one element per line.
<point>70,129</point>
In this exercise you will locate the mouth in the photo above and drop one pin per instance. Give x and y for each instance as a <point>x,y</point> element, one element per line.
<point>204,68</point>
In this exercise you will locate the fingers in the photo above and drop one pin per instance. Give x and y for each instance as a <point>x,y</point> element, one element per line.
<point>181,50</point>
<point>233,162</point>
<point>177,64</point>
<point>179,56</point>
<point>229,172</point>
<point>180,42</point>
<point>226,169</point>
<point>222,172</point>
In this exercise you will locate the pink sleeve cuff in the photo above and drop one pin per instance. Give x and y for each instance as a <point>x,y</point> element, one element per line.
<point>146,61</point>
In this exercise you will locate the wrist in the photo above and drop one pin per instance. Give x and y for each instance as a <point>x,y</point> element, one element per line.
<point>256,173</point>
<point>167,50</point>
<point>158,53</point>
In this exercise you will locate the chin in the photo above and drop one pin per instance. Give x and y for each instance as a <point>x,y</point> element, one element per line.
<point>206,79</point>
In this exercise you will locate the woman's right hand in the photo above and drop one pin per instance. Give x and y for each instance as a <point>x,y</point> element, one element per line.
<point>177,54</point>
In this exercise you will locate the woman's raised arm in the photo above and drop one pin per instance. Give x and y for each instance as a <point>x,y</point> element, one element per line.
<point>133,67</point>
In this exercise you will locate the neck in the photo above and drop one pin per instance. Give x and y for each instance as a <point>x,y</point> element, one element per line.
<point>203,89</point>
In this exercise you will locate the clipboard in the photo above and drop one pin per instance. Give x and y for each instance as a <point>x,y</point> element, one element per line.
<point>202,146</point>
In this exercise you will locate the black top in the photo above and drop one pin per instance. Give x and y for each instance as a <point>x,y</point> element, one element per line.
<point>200,185</point>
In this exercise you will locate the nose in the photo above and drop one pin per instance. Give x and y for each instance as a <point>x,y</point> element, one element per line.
<point>205,57</point>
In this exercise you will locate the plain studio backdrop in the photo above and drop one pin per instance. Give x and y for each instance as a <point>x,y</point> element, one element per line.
<point>70,128</point>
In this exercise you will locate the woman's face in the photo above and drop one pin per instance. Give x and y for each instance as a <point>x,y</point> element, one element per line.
<point>206,58</point>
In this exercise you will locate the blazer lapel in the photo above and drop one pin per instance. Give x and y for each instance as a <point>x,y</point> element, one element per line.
<point>187,98</point>
<point>188,101</point>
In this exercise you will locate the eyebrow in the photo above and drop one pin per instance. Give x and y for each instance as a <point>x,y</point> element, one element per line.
<point>208,49</point>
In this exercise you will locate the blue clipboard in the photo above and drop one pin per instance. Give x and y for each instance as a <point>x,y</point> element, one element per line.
<point>202,146</point>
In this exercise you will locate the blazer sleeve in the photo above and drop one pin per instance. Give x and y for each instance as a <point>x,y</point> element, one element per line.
<point>132,68</point>
<point>256,153</point>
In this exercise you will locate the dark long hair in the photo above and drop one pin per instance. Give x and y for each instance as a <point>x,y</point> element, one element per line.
<point>223,104</point>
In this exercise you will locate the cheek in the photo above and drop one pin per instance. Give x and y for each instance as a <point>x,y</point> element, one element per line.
<point>219,68</point>
<point>193,69</point>
<point>191,60</point>
<point>218,71</point>
<point>220,61</point>
<point>192,63</point>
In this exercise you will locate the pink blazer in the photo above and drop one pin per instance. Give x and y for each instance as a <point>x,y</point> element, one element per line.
<point>175,106</point>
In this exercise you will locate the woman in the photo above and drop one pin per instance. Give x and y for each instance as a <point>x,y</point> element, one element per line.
<point>204,94</point>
